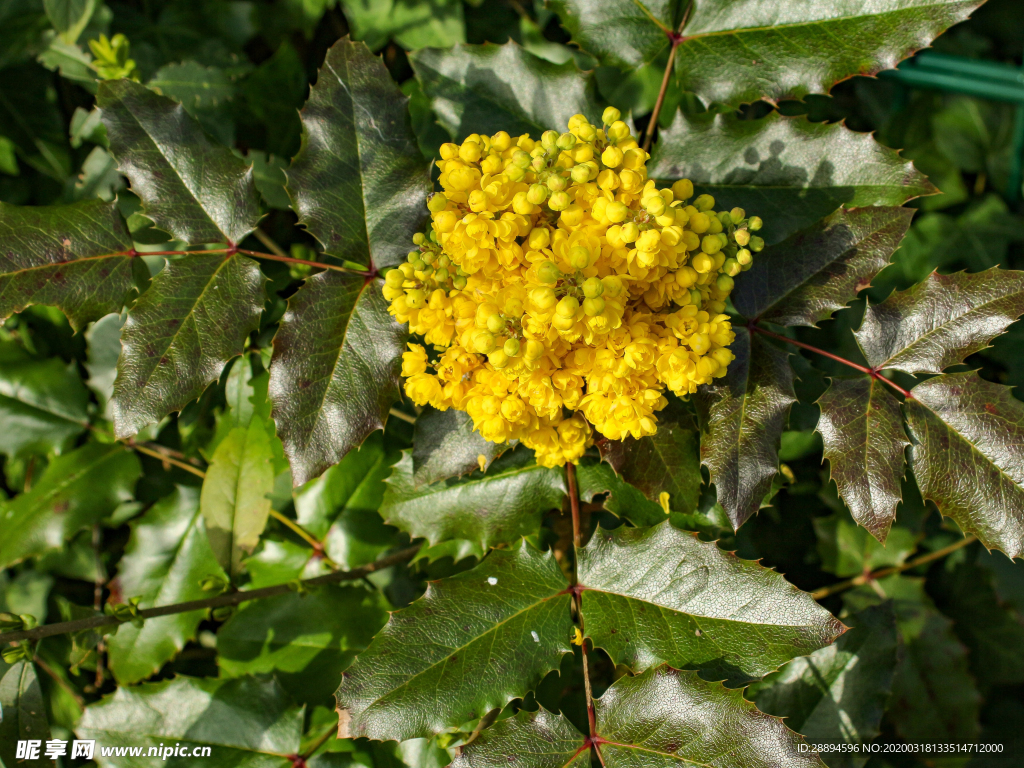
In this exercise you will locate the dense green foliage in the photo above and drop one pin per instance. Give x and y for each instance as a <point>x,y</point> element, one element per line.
<point>200,400</point>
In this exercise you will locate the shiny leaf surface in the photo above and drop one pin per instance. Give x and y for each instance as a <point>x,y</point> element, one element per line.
<point>446,445</point>
<point>24,713</point>
<point>43,404</point>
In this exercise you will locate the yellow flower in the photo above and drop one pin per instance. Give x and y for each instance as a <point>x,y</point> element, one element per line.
<point>562,291</point>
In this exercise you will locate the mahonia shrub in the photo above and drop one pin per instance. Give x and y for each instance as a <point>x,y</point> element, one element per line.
<point>562,292</point>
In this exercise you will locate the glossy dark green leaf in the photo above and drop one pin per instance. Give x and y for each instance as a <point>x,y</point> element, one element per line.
<point>966,436</point>
<point>647,600</point>
<point>334,375</point>
<point>438,24</point>
<point>665,462</point>
<point>488,508</point>
<point>181,333</point>
<point>205,92</point>
<point>848,549</point>
<point>471,644</point>
<point>43,404</point>
<point>597,477</point>
<point>787,170</point>
<point>76,490</point>
<point>359,184</point>
<point>445,445</point>
<point>304,640</point>
<point>862,433</point>
<point>623,33</point>
<point>71,256</point>
<point>340,507</point>
<point>234,500</point>
<point>490,88</point>
<point>667,717</point>
<point>739,51</point>
<point>69,17</point>
<point>837,694</point>
<point>538,739</point>
<point>742,417</point>
<point>24,714</point>
<point>939,322</point>
<point>246,722</point>
<point>197,191</point>
<point>167,556</point>
<point>813,273</point>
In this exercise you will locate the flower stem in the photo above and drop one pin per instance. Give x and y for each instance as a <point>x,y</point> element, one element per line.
<point>677,39</point>
<point>577,540</point>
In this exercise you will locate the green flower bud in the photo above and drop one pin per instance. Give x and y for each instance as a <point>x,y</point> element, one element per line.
<point>495,323</point>
<point>511,347</point>
<point>593,307</point>
<point>593,287</point>
<point>754,224</point>
<point>566,141</point>
<point>580,173</point>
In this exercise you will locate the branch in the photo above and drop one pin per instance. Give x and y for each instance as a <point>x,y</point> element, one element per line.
<point>872,372</point>
<point>864,578</point>
<point>577,540</point>
<point>233,598</point>
<point>677,39</point>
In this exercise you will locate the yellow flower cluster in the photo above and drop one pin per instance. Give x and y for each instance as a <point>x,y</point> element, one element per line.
<point>562,292</point>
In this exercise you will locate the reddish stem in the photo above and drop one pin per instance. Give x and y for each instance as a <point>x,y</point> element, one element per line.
<point>872,372</point>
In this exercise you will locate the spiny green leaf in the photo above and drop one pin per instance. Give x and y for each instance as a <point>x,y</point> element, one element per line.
<point>598,477</point>
<point>787,170</point>
<point>334,374</point>
<point>862,433</point>
<point>966,435</point>
<point>359,184</point>
<point>445,445</point>
<point>471,644</point>
<point>43,404</point>
<point>742,416</point>
<point>24,714</point>
<point>304,640</point>
<point>837,694</point>
<point>76,490</point>
<point>623,33</point>
<point>538,739</point>
<point>247,722</point>
<point>487,508</point>
<point>437,24</point>
<point>340,507</point>
<point>197,191</point>
<point>665,462</point>
<point>181,333</point>
<point>74,257</point>
<point>646,600</point>
<point>69,17</point>
<point>939,322</point>
<point>806,278</point>
<point>234,498</point>
<point>490,88</point>
<point>668,717</point>
<point>167,556</point>
<point>197,87</point>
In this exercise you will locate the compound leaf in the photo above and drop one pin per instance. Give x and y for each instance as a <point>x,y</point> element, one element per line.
<point>787,170</point>
<point>813,273</point>
<point>247,722</point>
<point>471,644</point>
<point>862,433</point>
<point>647,599</point>
<point>197,191</point>
<point>939,322</point>
<point>359,182</point>
<point>742,417</point>
<point>304,640</point>
<point>24,713</point>
<point>487,508</point>
<point>181,333</point>
<point>665,462</point>
<point>334,373</point>
<point>77,490</point>
<point>43,404</point>
<point>74,257</point>
<point>234,499</point>
<point>445,444</point>
<point>965,437</point>
<point>837,694</point>
<point>167,556</point>
<point>490,88</point>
